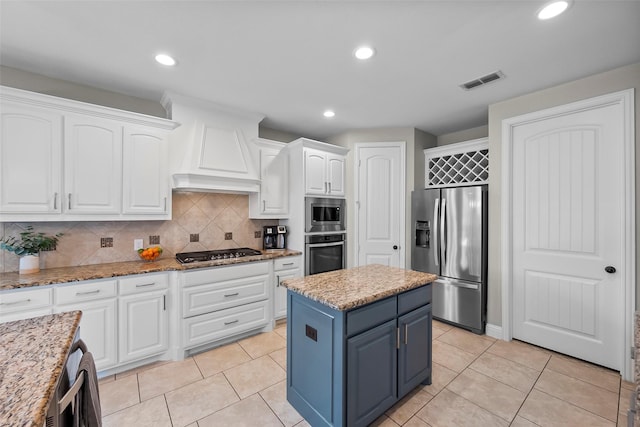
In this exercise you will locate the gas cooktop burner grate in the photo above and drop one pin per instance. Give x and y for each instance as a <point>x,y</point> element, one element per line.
<point>188,257</point>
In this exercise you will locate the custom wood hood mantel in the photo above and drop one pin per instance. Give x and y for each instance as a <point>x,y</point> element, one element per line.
<point>213,149</point>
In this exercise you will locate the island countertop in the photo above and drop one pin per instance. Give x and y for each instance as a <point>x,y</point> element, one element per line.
<point>32,357</point>
<point>354,287</point>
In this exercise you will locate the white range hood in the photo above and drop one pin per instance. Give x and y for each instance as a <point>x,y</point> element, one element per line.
<point>213,148</point>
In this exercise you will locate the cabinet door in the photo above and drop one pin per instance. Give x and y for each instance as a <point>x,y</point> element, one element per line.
<point>335,173</point>
<point>371,373</point>
<point>280,295</point>
<point>93,165</point>
<point>274,187</point>
<point>146,188</point>
<point>143,329</point>
<point>414,363</point>
<point>97,329</point>
<point>30,159</point>
<point>315,163</point>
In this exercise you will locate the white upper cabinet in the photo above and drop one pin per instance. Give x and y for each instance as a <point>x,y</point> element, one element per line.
<point>63,160</point>
<point>30,159</point>
<point>324,173</point>
<point>272,201</point>
<point>93,165</point>
<point>147,183</point>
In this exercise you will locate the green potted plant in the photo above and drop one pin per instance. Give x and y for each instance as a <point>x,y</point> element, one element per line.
<point>28,248</point>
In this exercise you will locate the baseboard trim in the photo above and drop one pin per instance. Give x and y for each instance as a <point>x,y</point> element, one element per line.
<point>494,331</point>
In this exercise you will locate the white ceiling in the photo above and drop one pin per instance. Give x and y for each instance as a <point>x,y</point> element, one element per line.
<point>291,60</point>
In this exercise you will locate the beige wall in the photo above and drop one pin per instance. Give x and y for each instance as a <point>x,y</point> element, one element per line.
<point>416,141</point>
<point>49,86</point>
<point>208,214</point>
<point>464,135</point>
<point>599,84</point>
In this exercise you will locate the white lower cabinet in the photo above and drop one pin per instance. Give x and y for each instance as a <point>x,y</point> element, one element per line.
<point>98,301</point>
<point>24,304</point>
<point>143,328</point>
<point>284,268</point>
<point>220,302</point>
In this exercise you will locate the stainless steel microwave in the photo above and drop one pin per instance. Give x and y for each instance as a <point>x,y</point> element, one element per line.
<point>323,214</point>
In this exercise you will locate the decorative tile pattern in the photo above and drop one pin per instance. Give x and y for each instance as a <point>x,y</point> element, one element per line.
<point>207,214</point>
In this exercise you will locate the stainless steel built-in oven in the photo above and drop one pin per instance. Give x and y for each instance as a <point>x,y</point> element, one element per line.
<point>324,252</point>
<point>324,215</point>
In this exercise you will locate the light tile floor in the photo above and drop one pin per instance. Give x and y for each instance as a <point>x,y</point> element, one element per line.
<point>477,381</point>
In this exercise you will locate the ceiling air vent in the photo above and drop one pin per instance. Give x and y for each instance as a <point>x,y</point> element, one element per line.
<point>482,80</point>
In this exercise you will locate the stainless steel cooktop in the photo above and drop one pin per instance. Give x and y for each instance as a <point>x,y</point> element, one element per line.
<point>189,257</point>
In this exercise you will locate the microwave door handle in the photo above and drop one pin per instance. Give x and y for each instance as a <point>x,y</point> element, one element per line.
<point>436,249</point>
<point>443,231</point>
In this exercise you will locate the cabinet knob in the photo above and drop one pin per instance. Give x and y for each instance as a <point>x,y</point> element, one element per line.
<point>395,247</point>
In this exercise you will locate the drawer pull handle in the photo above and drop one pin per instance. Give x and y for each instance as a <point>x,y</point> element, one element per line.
<point>231,323</point>
<point>406,333</point>
<point>232,295</point>
<point>140,285</point>
<point>277,281</point>
<point>97,291</point>
<point>398,338</point>
<point>289,263</point>
<point>22,301</point>
<point>55,201</point>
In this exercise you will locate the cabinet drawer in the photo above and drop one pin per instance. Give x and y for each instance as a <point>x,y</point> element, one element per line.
<point>87,291</point>
<point>143,283</point>
<point>24,300</point>
<point>371,315</point>
<point>219,274</point>
<point>221,324</point>
<point>217,296</point>
<point>414,298</point>
<point>286,263</point>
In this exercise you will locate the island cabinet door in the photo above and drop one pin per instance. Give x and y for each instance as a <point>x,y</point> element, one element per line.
<point>414,355</point>
<point>371,373</point>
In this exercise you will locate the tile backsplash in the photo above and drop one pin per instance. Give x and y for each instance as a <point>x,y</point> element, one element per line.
<point>208,215</point>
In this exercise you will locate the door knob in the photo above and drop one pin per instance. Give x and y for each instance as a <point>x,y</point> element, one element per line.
<point>610,269</point>
<point>395,247</point>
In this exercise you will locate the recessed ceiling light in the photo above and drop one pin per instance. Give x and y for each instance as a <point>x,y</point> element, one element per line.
<point>328,114</point>
<point>553,9</point>
<point>364,52</point>
<point>165,59</point>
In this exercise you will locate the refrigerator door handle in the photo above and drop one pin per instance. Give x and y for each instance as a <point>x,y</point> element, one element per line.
<point>443,231</point>
<point>436,250</point>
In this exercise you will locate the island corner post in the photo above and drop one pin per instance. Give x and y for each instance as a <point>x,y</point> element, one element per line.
<point>358,340</point>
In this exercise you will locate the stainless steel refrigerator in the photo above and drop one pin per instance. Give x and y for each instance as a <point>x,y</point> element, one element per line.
<point>450,240</point>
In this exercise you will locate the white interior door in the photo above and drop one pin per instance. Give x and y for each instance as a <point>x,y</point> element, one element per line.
<point>567,232</point>
<point>380,184</point>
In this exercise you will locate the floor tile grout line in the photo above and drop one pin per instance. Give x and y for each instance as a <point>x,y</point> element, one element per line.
<point>164,396</point>
<point>533,386</point>
<point>576,406</point>
<point>269,406</point>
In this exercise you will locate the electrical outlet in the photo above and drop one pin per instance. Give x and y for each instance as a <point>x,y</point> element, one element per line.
<point>138,244</point>
<point>228,236</point>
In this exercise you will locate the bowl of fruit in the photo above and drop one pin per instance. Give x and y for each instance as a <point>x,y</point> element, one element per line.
<point>150,254</point>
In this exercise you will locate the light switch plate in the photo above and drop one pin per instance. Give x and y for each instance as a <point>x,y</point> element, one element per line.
<point>138,244</point>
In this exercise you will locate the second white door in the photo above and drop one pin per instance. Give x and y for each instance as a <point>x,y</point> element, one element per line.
<point>380,203</point>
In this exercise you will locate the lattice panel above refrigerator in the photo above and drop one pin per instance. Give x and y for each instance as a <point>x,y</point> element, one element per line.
<point>457,164</point>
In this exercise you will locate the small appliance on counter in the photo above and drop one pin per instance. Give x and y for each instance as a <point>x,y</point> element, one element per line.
<point>274,237</point>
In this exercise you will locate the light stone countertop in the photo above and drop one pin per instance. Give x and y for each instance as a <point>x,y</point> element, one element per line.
<point>32,357</point>
<point>354,287</point>
<point>52,276</point>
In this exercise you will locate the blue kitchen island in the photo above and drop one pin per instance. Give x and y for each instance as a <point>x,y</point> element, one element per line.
<point>358,340</point>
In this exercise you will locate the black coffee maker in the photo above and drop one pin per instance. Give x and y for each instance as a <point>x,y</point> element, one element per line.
<point>274,237</point>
